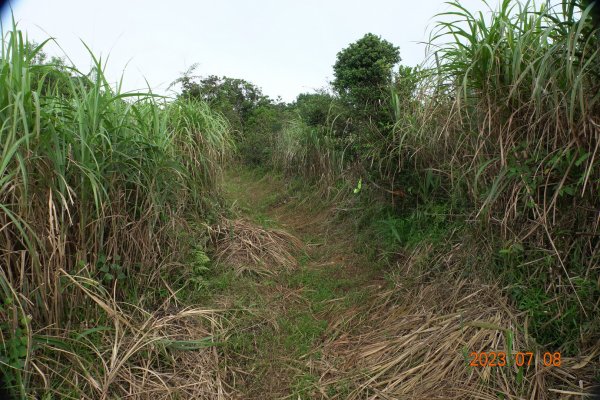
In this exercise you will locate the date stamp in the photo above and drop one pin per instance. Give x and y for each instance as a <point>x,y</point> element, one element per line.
<point>520,359</point>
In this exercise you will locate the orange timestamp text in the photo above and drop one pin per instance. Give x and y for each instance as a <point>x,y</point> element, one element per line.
<point>520,359</point>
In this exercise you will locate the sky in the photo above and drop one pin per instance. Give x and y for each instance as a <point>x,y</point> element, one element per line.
<point>285,47</point>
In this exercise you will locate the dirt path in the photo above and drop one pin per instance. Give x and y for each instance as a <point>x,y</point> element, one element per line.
<point>283,318</point>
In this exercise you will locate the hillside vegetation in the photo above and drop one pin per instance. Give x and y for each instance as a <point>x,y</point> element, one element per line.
<point>360,242</point>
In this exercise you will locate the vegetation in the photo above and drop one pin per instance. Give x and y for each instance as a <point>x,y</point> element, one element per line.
<point>500,131</point>
<point>251,114</point>
<point>98,192</point>
<point>370,235</point>
<point>362,73</point>
<point>493,142</point>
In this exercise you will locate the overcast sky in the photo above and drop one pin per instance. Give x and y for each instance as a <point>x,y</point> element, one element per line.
<point>285,47</point>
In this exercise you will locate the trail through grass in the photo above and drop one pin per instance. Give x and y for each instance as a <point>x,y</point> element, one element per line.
<point>280,322</point>
<point>346,323</point>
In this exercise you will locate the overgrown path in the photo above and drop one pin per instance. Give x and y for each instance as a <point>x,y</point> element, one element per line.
<point>274,348</point>
<point>333,322</point>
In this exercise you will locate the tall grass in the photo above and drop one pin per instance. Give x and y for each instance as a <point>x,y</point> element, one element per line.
<point>503,126</point>
<point>307,150</point>
<point>522,141</point>
<point>96,186</point>
<point>507,122</point>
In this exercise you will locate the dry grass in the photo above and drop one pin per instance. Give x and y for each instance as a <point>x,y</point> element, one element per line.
<point>414,343</point>
<point>249,248</point>
<point>134,354</point>
<point>98,192</point>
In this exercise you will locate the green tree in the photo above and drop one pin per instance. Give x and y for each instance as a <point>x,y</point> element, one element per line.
<point>264,122</point>
<point>253,116</point>
<point>314,108</point>
<point>235,98</point>
<point>363,71</point>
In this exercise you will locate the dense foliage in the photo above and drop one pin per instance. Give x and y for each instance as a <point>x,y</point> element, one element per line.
<point>252,115</point>
<point>97,191</point>
<point>492,145</point>
<point>363,72</point>
<point>498,133</point>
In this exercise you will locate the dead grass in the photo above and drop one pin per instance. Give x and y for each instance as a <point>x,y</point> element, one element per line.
<point>414,343</point>
<point>249,248</point>
<point>134,354</point>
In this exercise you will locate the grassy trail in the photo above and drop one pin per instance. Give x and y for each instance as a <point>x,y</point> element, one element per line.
<point>342,325</point>
<point>275,345</point>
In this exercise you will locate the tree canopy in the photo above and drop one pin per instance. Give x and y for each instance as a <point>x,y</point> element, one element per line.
<point>235,98</point>
<point>363,70</point>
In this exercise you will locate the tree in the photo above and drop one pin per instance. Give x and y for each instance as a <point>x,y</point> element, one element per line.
<point>363,71</point>
<point>314,108</point>
<point>235,98</point>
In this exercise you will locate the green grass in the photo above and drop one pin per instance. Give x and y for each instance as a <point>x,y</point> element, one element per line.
<point>324,284</point>
<point>97,188</point>
<point>281,320</point>
<point>304,386</point>
<point>301,330</point>
<point>551,322</point>
<point>103,195</point>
